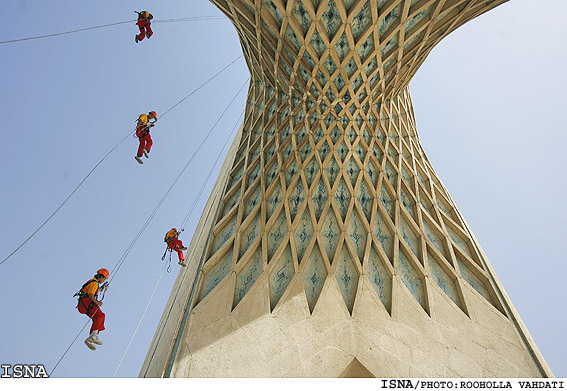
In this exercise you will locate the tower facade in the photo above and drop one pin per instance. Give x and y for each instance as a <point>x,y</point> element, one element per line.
<point>329,246</point>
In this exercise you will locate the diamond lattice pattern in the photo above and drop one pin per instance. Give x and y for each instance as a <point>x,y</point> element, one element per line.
<point>330,175</point>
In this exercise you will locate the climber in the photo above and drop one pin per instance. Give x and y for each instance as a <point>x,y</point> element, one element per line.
<point>143,133</point>
<point>143,23</point>
<point>89,305</point>
<point>173,243</point>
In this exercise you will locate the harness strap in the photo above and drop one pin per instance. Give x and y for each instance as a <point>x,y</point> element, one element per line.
<point>89,308</point>
<point>144,132</point>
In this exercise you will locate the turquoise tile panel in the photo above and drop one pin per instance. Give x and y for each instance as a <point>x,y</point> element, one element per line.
<point>342,198</point>
<point>443,206</point>
<point>415,20</point>
<point>342,47</point>
<point>280,277</point>
<point>361,21</point>
<point>384,236</point>
<point>391,174</point>
<point>248,276</point>
<point>236,175</point>
<point>360,151</point>
<point>290,172</point>
<point>319,198</point>
<point>273,200</point>
<point>318,135</point>
<point>277,233</point>
<point>388,21</point>
<point>216,274</point>
<point>224,235</point>
<point>230,202</point>
<point>445,282</point>
<point>471,278</point>
<point>287,150</point>
<point>433,238</point>
<point>356,233</point>
<point>408,204</point>
<point>332,170</point>
<point>249,236</point>
<point>318,43</point>
<point>331,19</point>
<point>270,151</point>
<point>303,233</point>
<point>296,199</point>
<point>302,15</point>
<point>411,279</point>
<point>342,151</point>
<point>409,237</point>
<point>311,171</point>
<point>313,277</point>
<point>372,173</point>
<point>380,279</point>
<point>390,45</point>
<point>335,134</point>
<point>252,200</point>
<point>272,172</point>
<point>330,233</point>
<point>407,177</point>
<point>324,151</point>
<point>425,204</point>
<point>388,202</point>
<point>275,11</point>
<point>347,278</point>
<point>364,197</point>
<point>293,38</point>
<point>459,241</point>
<point>352,171</point>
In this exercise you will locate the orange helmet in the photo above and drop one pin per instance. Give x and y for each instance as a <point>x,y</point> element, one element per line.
<point>103,272</point>
<point>154,114</point>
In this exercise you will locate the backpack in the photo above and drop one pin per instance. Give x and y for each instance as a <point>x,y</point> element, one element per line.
<point>145,15</point>
<point>170,235</point>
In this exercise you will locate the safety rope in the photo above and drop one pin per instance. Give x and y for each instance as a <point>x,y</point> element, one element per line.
<point>182,225</point>
<point>192,19</point>
<point>66,199</point>
<point>120,262</point>
<point>141,319</point>
<point>105,156</point>
<point>198,88</point>
<point>69,347</point>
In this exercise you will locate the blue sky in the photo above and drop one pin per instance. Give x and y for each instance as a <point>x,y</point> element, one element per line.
<point>488,101</point>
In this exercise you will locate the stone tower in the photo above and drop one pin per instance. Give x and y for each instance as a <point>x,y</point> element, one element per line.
<point>329,246</point>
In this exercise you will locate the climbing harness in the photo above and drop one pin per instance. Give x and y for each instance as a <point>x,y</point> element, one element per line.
<point>144,132</point>
<point>81,294</point>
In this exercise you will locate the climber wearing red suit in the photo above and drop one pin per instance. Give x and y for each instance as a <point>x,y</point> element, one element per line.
<point>144,23</point>
<point>173,243</point>
<point>143,134</point>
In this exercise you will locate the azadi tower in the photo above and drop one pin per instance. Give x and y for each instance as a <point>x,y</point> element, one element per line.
<point>329,246</point>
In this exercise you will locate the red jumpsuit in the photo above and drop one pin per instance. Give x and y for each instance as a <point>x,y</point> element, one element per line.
<point>143,133</point>
<point>176,245</point>
<point>95,313</point>
<point>145,28</point>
